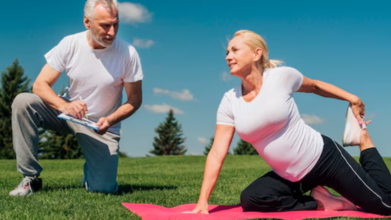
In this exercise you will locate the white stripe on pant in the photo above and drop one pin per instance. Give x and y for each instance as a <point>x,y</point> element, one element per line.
<point>368,185</point>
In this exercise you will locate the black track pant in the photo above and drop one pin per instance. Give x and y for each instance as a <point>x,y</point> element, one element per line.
<point>368,185</point>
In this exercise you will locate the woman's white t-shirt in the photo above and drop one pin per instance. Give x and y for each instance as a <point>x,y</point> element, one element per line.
<point>272,124</point>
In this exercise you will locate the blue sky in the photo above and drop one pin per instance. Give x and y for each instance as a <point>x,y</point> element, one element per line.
<point>182,50</point>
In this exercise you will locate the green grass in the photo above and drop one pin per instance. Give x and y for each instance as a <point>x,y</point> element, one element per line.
<point>166,181</point>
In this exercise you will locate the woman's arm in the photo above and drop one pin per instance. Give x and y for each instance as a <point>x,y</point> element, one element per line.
<point>214,162</point>
<point>331,91</point>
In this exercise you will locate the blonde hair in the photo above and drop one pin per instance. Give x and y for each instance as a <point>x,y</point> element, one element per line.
<point>254,41</point>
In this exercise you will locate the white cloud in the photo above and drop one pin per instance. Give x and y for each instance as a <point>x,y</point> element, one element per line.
<point>133,13</point>
<point>164,108</point>
<point>312,119</point>
<point>226,77</point>
<point>185,95</point>
<point>202,140</point>
<point>143,43</point>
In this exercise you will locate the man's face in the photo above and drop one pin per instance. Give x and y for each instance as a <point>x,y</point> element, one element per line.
<point>103,26</point>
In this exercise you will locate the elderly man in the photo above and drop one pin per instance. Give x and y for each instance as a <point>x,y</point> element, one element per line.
<point>99,65</point>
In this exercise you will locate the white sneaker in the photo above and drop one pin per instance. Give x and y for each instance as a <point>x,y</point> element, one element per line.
<point>27,186</point>
<point>331,202</point>
<point>351,134</point>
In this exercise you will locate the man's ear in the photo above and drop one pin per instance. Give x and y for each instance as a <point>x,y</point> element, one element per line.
<point>87,22</point>
<point>258,54</point>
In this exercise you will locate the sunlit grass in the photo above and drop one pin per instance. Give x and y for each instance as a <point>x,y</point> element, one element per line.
<point>166,181</point>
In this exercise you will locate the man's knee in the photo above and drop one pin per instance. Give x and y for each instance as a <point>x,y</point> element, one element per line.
<point>104,187</point>
<point>23,100</point>
<point>101,179</point>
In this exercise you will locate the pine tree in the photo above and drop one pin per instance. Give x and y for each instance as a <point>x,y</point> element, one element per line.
<point>56,145</point>
<point>13,82</point>
<point>245,148</point>
<point>169,140</point>
<point>209,146</point>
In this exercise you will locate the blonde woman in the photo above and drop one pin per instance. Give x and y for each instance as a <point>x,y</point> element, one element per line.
<point>263,112</point>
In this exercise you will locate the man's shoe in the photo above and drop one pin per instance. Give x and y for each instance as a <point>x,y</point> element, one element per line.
<point>351,134</point>
<point>331,202</point>
<point>27,186</point>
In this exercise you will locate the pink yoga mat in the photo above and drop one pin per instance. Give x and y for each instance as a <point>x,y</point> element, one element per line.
<point>154,212</point>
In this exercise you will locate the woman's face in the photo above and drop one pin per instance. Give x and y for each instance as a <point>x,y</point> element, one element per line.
<point>240,57</point>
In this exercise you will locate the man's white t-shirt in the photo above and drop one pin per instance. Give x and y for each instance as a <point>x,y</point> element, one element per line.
<point>96,76</point>
<point>272,124</point>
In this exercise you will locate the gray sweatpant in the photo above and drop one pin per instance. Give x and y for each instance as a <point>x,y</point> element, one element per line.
<point>29,113</point>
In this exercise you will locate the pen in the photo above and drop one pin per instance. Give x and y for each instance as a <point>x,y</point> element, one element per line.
<point>85,114</point>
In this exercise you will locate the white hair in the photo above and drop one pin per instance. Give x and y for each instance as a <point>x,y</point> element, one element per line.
<point>89,8</point>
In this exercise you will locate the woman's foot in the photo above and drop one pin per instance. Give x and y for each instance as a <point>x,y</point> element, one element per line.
<point>351,133</point>
<point>328,202</point>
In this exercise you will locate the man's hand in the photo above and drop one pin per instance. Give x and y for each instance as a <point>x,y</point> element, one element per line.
<point>77,108</point>
<point>104,125</point>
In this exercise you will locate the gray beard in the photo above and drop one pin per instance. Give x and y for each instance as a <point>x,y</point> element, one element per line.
<point>100,42</point>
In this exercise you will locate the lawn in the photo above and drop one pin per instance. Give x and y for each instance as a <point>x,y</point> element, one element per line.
<point>166,181</point>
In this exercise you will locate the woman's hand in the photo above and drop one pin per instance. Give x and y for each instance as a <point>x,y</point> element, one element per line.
<point>358,108</point>
<point>200,208</point>
<point>214,162</point>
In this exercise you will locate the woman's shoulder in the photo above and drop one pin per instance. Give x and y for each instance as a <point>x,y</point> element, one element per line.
<point>233,93</point>
<point>282,69</point>
<point>282,72</point>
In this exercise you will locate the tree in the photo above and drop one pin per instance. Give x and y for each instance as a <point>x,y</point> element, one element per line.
<point>13,82</point>
<point>122,155</point>
<point>57,145</point>
<point>209,146</point>
<point>169,139</point>
<point>245,148</point>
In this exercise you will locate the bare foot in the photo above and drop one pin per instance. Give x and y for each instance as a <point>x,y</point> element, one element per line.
<point>365,140</point>
<point>320,205</point>
<point>328,202</point>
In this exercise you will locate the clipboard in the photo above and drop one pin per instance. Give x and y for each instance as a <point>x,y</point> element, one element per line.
<point>83,121</point>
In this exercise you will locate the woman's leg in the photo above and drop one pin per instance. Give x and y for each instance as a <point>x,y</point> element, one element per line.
<point>367,186</point>
<point>272,193</point>
<point>373,163</point>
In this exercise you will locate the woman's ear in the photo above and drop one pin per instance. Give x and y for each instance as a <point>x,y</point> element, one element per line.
<point>257,54</point>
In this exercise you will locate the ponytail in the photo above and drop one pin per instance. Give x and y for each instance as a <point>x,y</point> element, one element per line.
<point>268,64</point>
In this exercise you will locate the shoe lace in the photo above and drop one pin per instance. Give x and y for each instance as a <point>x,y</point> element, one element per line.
<point>26,180</point>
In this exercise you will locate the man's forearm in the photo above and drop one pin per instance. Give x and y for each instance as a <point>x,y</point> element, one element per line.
<point>125,111</point>
<point>46,93</point>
